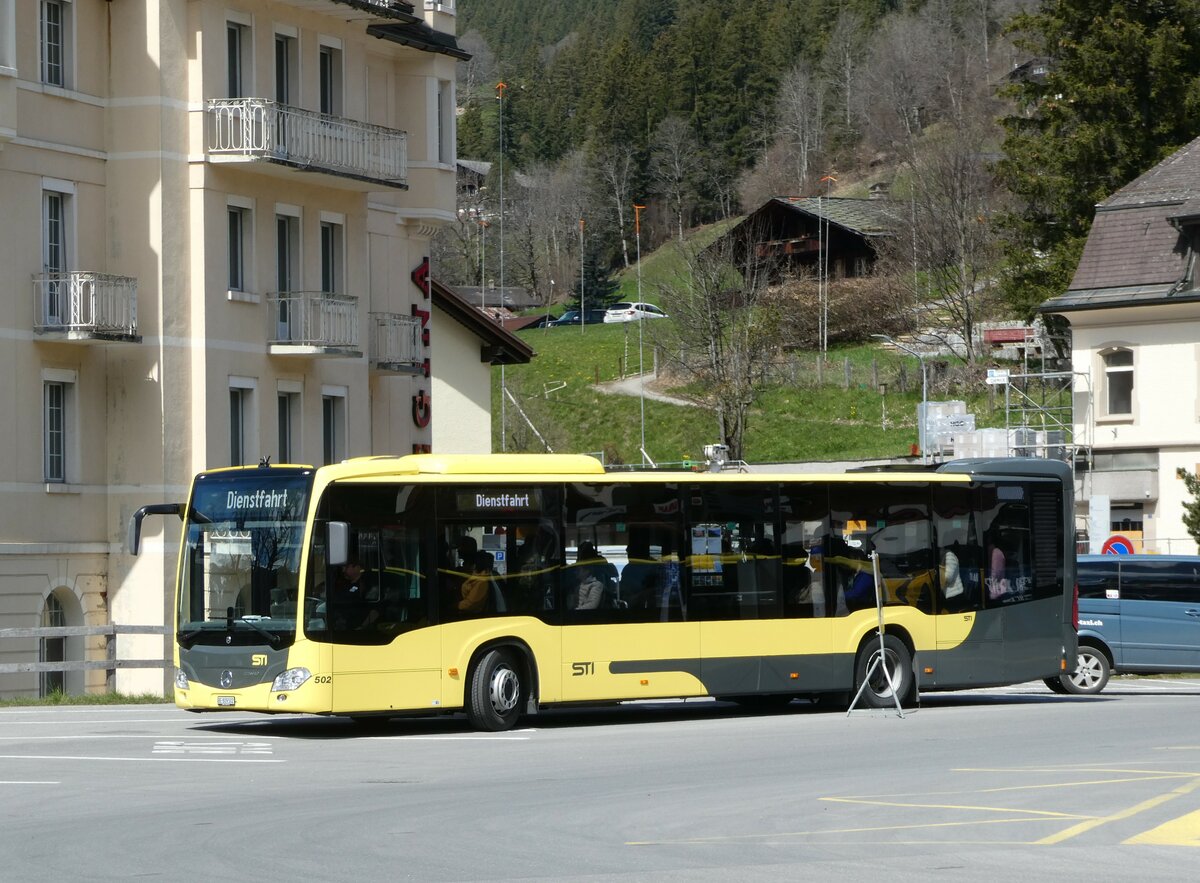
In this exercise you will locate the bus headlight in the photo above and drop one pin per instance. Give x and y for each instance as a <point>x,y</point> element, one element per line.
<point>290,680</point>
<point>181,681</point>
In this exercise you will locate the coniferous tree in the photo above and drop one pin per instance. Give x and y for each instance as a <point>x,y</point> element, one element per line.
<point>1191,508</point>
<point>1121,92</point>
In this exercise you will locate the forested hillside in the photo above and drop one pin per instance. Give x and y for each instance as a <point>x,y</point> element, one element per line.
<point>995,124</point>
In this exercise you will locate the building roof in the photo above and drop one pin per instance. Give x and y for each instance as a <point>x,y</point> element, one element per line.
<point>500,347</point>
<point>421,36</point>
<point>1136,253</point>
<point>866,217</point>
<point>511,297</point>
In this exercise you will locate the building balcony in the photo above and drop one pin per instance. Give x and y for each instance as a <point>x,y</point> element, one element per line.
<point>396,344</point>
<point>358,10</point>
<point>80,306</point>
<point>313,323</point>
<point>260,130</point>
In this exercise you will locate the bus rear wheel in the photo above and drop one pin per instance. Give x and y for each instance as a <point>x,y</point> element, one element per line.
<point>495,692</point>
<point>1091,672</point>
<point>879,692</point>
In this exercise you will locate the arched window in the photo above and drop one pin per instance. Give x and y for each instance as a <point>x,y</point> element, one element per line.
<point>53,649</point>
<point>1118,382</point>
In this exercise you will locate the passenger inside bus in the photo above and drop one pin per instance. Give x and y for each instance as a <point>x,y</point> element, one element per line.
<point>642,576</point>
<point>479,591</point>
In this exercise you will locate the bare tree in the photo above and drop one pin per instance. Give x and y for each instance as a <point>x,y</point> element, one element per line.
<point>724,331</point>
<point>800,112</point>
<point>479,73</point>
<point>840,64</point>
<point>944,254</point>
<point>616,165</point>
<point>674,162</point>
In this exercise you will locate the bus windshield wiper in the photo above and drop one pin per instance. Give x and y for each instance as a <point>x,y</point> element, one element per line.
<point>266,633</point>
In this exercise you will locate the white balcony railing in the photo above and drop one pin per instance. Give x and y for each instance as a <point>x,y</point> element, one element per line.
<point>260,129</point>
<point>313,319</point>
<point>84,305</point>
<point>395,342</point>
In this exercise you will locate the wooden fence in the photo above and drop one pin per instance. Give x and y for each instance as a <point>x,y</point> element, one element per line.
<point>110,663</point>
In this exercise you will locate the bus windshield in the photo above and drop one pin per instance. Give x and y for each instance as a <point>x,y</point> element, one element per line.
<point>239,579</point>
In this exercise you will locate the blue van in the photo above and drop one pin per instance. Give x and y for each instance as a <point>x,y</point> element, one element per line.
<point>1137,614</point>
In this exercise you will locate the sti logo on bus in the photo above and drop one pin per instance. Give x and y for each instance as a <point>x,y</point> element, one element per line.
<point>579,669</point>
<point>258,659</point>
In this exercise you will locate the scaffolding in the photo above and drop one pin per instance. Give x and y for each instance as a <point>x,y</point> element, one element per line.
<point>1044,406</point>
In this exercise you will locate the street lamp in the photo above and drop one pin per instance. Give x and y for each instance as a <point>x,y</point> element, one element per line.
<point>924,390</point>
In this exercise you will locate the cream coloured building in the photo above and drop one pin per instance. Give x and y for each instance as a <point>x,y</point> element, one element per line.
<point>213,249</point>
<point>1134,311</point>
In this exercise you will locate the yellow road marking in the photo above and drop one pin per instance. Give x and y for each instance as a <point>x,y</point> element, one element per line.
<point>1083,827</point>
<point>783,835</point>
<point>999,809</point>
<point>1183,831</point>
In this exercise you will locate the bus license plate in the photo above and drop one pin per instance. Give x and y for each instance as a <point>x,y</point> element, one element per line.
<point>226,701</point>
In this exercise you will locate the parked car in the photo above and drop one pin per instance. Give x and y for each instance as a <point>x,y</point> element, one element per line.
<point>631,312</point>
<point>571,317</point>
<point>1137,614</point>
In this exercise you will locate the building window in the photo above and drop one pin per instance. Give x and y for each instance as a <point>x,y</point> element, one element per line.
<point>54,22</point>
<point>331,257</point>
<point>329,74</point>
<point>333,427</point>
<point>237,427</point>
<point>286,69</point>
<point>287,269</point>
<point>241,421</point>
<point>56,207</point>
<point>55,423</point>
<point>445,122</point>
<point>289,415</point>
<point>239,247</point>
<point>237,42</point>
<point>1118,382</point>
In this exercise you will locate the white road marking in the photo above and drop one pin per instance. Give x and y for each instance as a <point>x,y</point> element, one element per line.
<point>175,747</point>
<point>139,759</point>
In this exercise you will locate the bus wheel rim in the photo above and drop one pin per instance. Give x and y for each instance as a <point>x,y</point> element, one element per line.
<point>879,678</point>
<point>504,690</point>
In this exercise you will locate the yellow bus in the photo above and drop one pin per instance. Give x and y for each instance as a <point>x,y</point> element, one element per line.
<point>481,584</point>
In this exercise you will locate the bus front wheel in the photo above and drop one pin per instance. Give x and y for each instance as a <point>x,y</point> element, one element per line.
<point>495,692</point>
<point>880,692</point>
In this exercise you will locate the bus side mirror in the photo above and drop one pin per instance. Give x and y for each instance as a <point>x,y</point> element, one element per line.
<point>338,545</point>
<point>134,540</point>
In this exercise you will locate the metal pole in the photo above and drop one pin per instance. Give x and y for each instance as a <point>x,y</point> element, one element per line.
<point>582,307</point>
<point>637,226</point>
<point>500,87</point>
<point>923,419</point>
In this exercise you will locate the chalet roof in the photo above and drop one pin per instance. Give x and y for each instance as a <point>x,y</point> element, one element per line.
<point>500,347</point>
<point>482,168</point>
<point>512,297</point>
<point>1135,253</point>
<point>866,217</point>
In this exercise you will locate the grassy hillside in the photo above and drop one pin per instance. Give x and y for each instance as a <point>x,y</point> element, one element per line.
<point>802,418</point>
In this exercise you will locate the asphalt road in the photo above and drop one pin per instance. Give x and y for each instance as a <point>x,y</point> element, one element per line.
<point>1015,784</point>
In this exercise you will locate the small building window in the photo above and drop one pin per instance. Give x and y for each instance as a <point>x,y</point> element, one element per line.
<point>239,248</point>
<point>329,73</point>
<point>237,41</point>
<point>1118,382</point>
<point>54,39</point>
<point>331,257</point>
<point>55,424</point>
<point>333,426</point>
